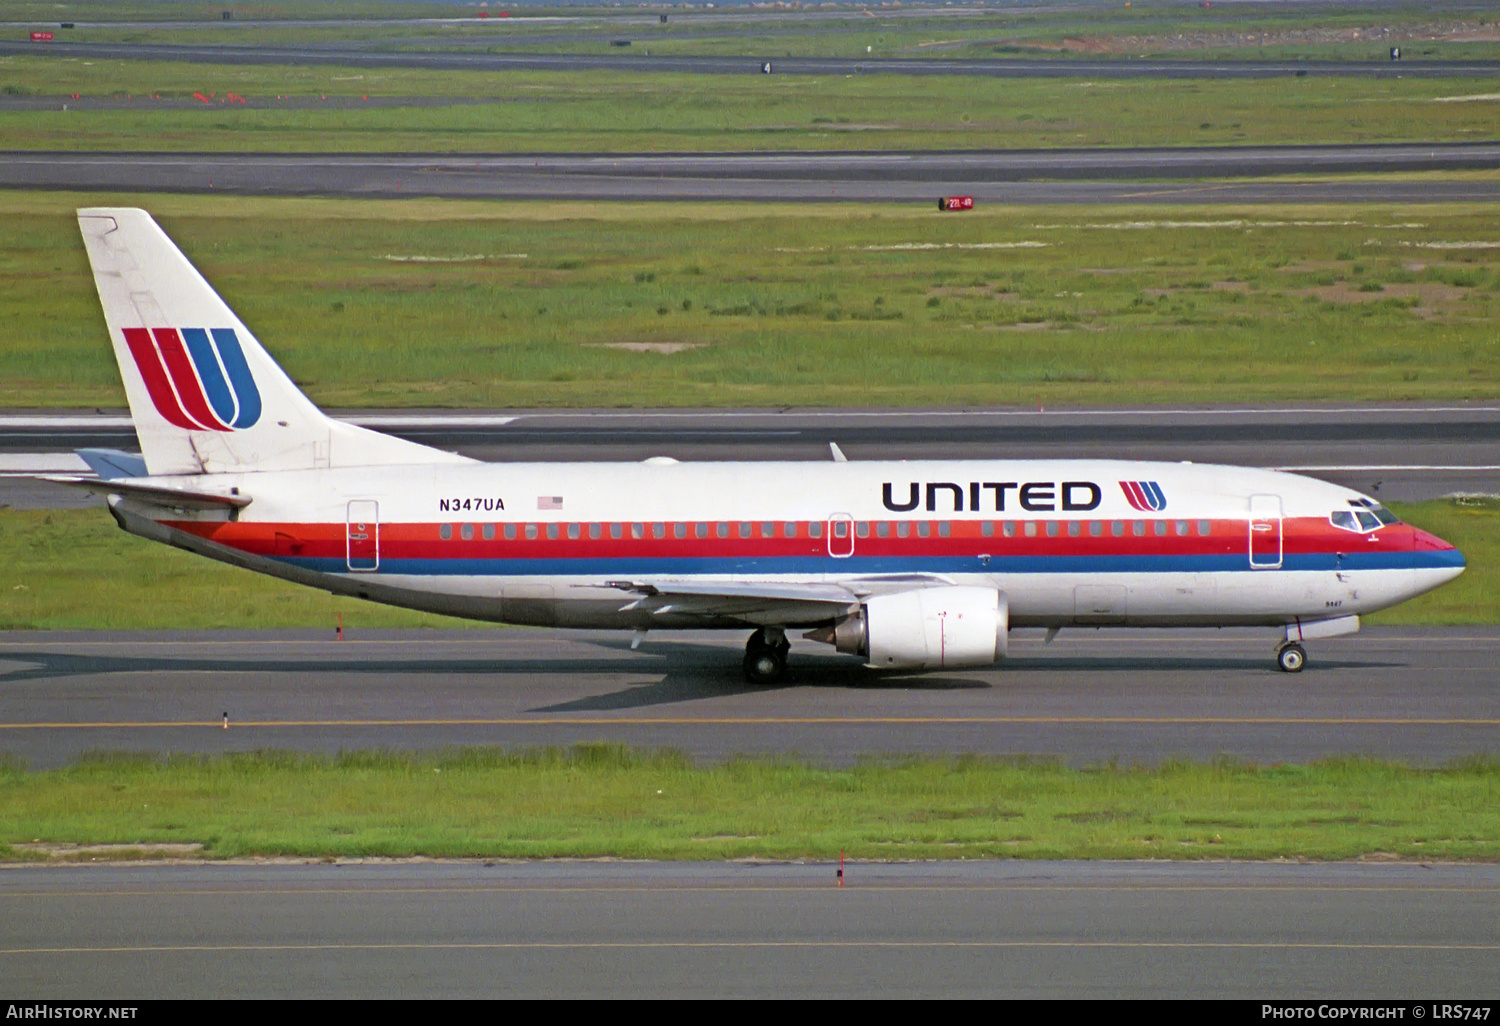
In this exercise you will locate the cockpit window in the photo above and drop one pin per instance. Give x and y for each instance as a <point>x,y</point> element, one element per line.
<point>1365,515</point>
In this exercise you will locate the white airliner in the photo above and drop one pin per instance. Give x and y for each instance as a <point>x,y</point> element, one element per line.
<point>903,564</point>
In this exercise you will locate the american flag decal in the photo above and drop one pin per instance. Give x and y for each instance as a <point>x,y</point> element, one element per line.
<point>549,502</point>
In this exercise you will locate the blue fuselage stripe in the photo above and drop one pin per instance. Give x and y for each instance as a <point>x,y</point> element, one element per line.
<point>865,565</point>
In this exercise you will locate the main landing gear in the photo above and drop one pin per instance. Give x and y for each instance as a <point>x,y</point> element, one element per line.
<point>1290,657</point>
<point>765,656</point>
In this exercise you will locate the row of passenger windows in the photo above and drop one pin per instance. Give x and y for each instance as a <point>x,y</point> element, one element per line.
<point>840,528</point>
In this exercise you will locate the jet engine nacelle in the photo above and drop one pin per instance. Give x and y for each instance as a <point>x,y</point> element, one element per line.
<point>928,628</point>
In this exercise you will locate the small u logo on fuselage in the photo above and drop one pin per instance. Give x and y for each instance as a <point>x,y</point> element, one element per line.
<point>1145,496</point>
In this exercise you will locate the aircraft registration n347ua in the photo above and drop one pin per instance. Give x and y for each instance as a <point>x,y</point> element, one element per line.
<point>904,564</point>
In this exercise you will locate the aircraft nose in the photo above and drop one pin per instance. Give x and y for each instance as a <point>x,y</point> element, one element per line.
<point>1422,541</point>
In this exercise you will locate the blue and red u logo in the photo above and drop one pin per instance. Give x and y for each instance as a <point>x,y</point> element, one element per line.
<point>198,379</point>
<point>1145,496</point>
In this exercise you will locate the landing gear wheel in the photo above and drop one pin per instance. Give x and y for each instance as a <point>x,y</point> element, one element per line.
<point>765,656</point>
<point>764,665</point>
<point>1291,658</point>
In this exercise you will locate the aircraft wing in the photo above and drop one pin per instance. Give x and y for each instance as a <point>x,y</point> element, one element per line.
<point>153,494</point>
<point>762,603</point>
<point>782,603</point>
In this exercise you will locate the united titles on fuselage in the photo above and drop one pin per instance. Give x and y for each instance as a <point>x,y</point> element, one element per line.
<point>1033,496</point>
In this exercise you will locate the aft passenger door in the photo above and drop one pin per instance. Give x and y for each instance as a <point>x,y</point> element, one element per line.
<point>362,538</point>
<point>1265,532</point>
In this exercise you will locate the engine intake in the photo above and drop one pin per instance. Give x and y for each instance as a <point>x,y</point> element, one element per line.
<point>925,628</point>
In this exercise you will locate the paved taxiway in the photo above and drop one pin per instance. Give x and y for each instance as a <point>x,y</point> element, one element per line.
<point>1426,695</point>
<point>359,56</point>
<point>1200,175</point>
<point>997,929</point>
<point>1401,452</point>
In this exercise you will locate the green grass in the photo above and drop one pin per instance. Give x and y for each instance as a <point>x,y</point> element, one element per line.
<point>607,801</point>
<point>74,569</point>
<point>519,304</point>
<point>520,111</point>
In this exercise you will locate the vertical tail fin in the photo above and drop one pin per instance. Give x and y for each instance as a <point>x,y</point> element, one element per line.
<point>205,397</point>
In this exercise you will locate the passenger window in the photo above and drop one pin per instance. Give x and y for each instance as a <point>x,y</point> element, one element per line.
<point>1031,528</point>
<point>489,531</point>
<point>791,530</point>
<point>943,528</point>
<point>466,532</point>
<point>815,530</point>
<point>1203,527</point>
<point>700,529</point>
<point>595,530</point>
<point>637,530</point>
<point>1161,528</point>
<point>1052,529</point>
<point>1117,528</point>
<point>903,529</point>
<point>745,528</point>
<point>616,530</point>
<point>1138,528</point>
<point>530,530</point>
<point>679,530</point>
<point>924,529</point>
<point>862,529</point>
<point>1074,529</point>
<point>722,530</point>
<point>883,529</point>
<point>658,530</point>
<point>445,532</point>
<point>768,530</point>
<point>510,532</point>
<point>840,529</point>
<point>575,530</point>
<point>1009,530</point>
<point>987,529</point>
<point>1182,528</point>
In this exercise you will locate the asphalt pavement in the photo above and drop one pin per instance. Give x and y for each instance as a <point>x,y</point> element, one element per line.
<point>1423,695</point>
<point>1278,932</point>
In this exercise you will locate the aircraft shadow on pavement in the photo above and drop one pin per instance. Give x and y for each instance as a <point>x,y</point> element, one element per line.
<point>694,672</point>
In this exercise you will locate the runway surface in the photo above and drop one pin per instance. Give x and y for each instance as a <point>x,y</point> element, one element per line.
<point>1400,452</point>
<point>1163,175</point>
<point>998,929</point>
<point>637,60</point>
<point>1424,695</point>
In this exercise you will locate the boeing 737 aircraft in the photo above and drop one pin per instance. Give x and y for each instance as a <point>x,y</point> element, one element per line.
<point>902,564</point>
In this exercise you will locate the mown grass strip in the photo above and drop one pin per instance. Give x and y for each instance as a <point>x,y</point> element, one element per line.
<point>514,304</point>
<point>604,800</point>
<point>74,569</point>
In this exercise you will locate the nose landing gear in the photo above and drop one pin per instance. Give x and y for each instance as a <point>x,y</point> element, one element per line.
<point>765,656</point>
<point>1291,657</point>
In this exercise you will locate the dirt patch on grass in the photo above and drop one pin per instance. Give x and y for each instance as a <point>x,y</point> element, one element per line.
<point>1428,294</point>
<point>648,347</point>
<point>91,852</point>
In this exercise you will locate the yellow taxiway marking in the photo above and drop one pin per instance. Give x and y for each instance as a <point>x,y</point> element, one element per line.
<point>762,721</point>
<point>741,945</point>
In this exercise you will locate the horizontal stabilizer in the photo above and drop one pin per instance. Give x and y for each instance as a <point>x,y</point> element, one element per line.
<point>111,464</point>
<point>154,494</point>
